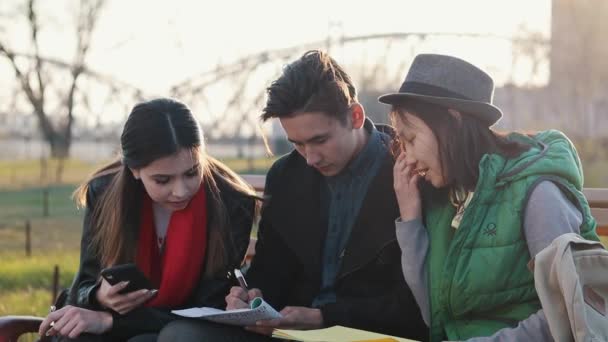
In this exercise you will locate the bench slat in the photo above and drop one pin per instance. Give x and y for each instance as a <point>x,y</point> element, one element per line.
<point>601,217</point>
<point>256,181</point>
<point>597,197</point>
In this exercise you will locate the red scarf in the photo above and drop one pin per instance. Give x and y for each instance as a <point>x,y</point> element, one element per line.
<point>177,271</point>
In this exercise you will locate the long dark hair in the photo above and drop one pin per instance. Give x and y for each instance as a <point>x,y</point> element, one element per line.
<point>153,130</point>
<point>462,140</point>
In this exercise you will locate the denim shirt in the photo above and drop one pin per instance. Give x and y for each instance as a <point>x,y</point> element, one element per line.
<point>341,198</point>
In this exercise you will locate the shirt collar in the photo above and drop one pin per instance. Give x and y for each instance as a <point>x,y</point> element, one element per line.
<point>367,156</point>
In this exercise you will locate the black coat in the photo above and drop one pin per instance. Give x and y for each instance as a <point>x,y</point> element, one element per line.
<point>371,291</point>
<point>210,291</point>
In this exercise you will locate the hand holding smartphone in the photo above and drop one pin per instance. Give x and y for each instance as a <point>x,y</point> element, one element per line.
<point>127,272</point>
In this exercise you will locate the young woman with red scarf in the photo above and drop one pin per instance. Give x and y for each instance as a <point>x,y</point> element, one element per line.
<point>181,216</point>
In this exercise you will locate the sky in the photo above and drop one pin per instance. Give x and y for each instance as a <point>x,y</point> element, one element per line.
<point>153,44</point>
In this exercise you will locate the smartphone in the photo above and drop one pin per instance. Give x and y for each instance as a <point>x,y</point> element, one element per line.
<point>127,272</point>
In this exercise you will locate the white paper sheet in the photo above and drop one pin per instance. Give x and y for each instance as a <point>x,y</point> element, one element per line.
<point>259,310</point>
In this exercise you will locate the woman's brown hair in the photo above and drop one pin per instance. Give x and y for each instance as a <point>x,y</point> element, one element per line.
<point>154,129</point>
<point>462,140</point>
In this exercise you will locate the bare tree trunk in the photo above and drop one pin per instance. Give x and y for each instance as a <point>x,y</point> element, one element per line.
<point>34,81</point>
<point>59,170</point>
<point>60,150</point>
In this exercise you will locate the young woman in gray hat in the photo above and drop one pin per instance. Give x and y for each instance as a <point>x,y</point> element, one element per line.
<point>476,206</point>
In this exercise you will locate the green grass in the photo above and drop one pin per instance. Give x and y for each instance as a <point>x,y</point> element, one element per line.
<point>58,231</point>
<point>30,173</point>
<point>26,283</point>
<point>255,166</point>
<point>16,204</point>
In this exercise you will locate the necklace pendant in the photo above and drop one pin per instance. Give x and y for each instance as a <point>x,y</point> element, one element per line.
<point>160,241</point>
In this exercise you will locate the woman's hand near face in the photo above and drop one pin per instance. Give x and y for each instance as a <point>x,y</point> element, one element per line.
<point>107,295</point>
<point>405,182</point>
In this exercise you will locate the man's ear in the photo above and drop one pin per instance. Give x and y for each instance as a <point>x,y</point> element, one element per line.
<point>357,115</point>
<point>135,173</point>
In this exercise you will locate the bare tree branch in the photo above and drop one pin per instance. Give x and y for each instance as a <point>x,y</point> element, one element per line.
<point>33,20</point>
<point>34,83</point>
<point>87,19</point>
<point>34,100</point>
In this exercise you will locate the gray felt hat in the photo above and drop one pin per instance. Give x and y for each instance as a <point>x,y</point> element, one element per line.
<point>450,82</point>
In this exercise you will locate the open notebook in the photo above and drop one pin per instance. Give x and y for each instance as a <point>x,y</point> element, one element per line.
<point>335,334</point>
<point>259,310</point>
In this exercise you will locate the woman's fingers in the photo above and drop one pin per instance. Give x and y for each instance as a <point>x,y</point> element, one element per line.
<point>406,188</point>
<point>413,182</point>
<point>400,163</point>
<point>58,320</point>
<point>114,289</point>
<point>129,301</point>
<point>136,295</point>
<point>69,325</point>
<point>108,295</point>
<point>402,177</point>
<point>134,300</point>
<point>79,329</point>
<point>72,321</point>
<point>400,169</point>
<point>46,323</point>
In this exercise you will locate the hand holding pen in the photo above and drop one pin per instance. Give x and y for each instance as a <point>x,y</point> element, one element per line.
<point>240,296</point>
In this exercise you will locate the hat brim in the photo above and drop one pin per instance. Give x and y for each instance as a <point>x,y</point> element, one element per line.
<point>484,111</point>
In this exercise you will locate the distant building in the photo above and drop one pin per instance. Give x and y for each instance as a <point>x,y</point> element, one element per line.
<point>578,41</point>
<point>575,99</point>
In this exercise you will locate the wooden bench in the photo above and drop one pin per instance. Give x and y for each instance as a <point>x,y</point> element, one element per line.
<point>11,327</point>
<point>598,201</point>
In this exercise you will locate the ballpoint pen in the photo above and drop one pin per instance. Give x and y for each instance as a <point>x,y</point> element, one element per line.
<point>48,332</point>
<point>241,279</point>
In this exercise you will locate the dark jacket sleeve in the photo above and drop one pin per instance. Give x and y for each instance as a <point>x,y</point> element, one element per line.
<point>82,290</point>
<point>273,266</point>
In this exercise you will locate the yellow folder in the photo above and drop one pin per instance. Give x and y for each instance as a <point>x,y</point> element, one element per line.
<point>335,334</point>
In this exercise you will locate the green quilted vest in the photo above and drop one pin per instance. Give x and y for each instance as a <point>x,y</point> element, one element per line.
<point>479,280</point>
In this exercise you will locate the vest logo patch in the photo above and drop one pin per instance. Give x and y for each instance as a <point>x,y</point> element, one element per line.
<point>490,230</point>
